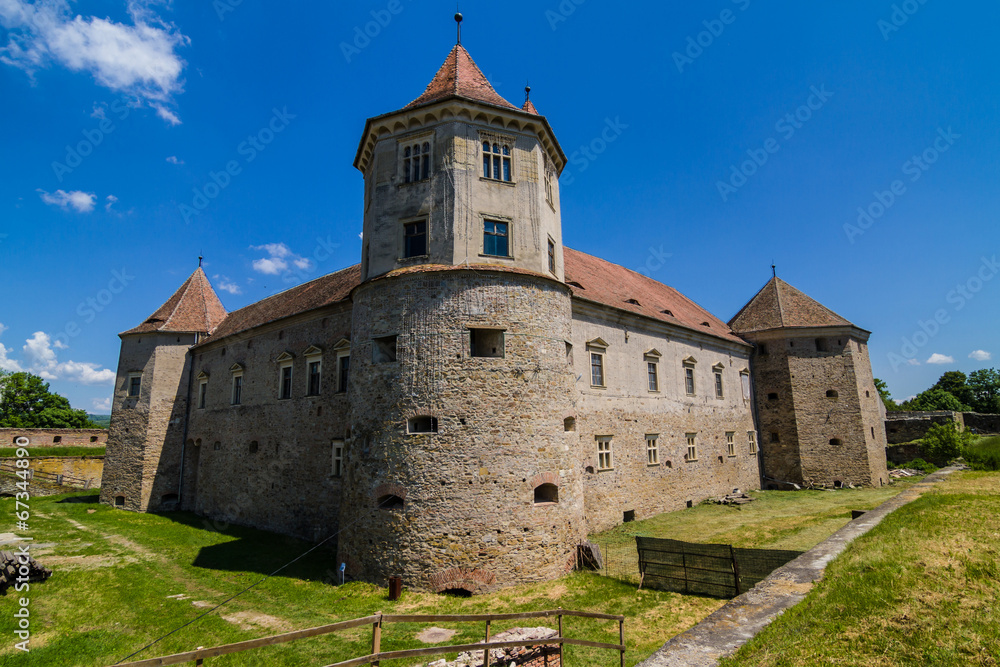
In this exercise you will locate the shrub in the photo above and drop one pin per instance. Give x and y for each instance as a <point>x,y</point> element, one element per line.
<point>920,464</point>
<point>984,454</point>
<point>944,442</point>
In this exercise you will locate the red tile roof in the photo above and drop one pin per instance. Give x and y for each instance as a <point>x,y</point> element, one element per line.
<point>612,285</point>
<point>194,307</point>
<point>324,291</point>
<point>460,76</point>
<point>530,108</point>
<point>778,305</point>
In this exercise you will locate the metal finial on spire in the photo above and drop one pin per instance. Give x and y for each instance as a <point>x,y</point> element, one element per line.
<point>458,20</point>
<point>527,92</point>
<point>774,272</point>
<point>199,260</point>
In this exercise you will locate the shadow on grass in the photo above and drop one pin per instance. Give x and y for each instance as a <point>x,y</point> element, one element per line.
<point>90,499</point>
<point>260,551</point>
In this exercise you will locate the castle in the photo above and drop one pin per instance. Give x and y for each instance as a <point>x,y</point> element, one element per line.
<point>466,404</point>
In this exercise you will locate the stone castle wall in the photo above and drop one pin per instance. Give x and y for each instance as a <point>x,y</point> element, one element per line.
<point>903,427</point>
<point>268,462</point>
<point>779,431</point>
<point>466,514</point>
<point>628,411</point>
<point>54,437</point>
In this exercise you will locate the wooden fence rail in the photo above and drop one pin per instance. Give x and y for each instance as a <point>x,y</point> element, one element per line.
<point>65,480</point>
<point>378,619</point>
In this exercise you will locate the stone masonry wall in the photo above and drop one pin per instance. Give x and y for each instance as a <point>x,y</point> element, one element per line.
<point>628,411</point>
<point>901,427</point>
<point>55,437</point>
<point>779,434</point>
<point>981,423</point>
<point>468,517</point>
<point>268,462</point>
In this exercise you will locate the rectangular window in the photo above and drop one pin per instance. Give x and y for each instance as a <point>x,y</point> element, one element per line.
<point>237,397</point>
<point>202,391</point>
<point>821,345</point>
<point>552,256</point>
<point>689,380</point>
<point>718,384</point>
<point>384,349</point>
<point>415,239</point>
<point>486,343</point>
<point>692,447</point>
<point>762,349</point>
<point>605,460</point>
<point>596,369</point>
<point>343,372</point>
<point>134,384</point>
<point>775,437</point>
<point>338,458</point>
<point>752,438</point>
<point>548,187</point>
<point>652,379</point>
<point>285,390</point>
<point>315,373</point>
<point>416,162</point>
<point>495,238</point>
<point>496,160</point>
<point>652,450</point>
<point>731,443</point>
<point>745,382</point>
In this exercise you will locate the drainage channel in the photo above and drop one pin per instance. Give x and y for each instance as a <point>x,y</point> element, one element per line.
<point>722,633</point>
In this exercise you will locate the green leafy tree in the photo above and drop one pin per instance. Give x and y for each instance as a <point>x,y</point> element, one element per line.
<point>956,384</point>
<point>985,387</point>
<point>944,442</point>
<point>26,402</point>
<point>883,392</point>
<point>935,399</point>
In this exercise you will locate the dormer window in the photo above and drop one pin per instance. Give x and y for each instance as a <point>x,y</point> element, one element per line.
<point>496,158</point>
<point>416,162</point>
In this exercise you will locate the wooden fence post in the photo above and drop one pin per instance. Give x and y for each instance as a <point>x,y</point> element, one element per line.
<point>486,651</point>
<point>736,569</point>
<point>560,638</point>
<point>621,639</point>
<point>377,637</point>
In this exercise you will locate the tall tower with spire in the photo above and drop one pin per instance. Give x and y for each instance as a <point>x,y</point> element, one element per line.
<point>459,472</point>
<point>142,469</point>
<point>821,419</point>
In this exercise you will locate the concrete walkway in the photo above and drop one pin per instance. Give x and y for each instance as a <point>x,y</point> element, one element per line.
<point>725,631</point>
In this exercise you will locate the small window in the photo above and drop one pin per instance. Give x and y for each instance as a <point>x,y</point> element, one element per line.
<point>384,349</point>
<point>652,450</point>
<point>752,439</point>
<point>569,353</point>
<point>652,380</point>
<point>873,431</point>
<point>202,393</point>
<point>835,442</point>
<point>821,345</point>
<point>569,424</point>
<point>596,369</point>
<point>552,256</point>
<point>868,394</point>
<point>285,390</point>
<point>415,239</point>
<point>718,384</point>
<point>168,498</point>
<point>390,502</point>
<point>486,343</point>
<point>343,373</point>
<point>546,494</point>
<point>338,458</point>
<point>628,516</point>
<point>745,384</point>
<point>237,397</point>
<point>496,161</point>
<point>315,374</point>
<point>773,396</point>
<point>762,349</point>
<point>731,443</point>
<point>422,424</point>
<point>119,501</point>
<point>605,460</point>
<point>496,238</point>
<point>689,380</point>
<point>692,447</point>
<point>254,446</point>
<point>57,438</point>
<point>134,384</point>
<point>93,438</point>
<point>832,393</point>
<point>217,446</point>
<point>775,437</point>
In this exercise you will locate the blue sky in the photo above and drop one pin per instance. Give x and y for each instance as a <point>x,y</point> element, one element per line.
<point>745,132</point>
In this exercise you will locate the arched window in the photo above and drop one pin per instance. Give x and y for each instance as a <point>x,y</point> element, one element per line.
<point>569,424</point>
<point>546,493</point>
<point>389,502</point>
<point>417,162</point>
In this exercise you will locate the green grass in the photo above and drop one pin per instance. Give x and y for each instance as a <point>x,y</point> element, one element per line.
<point>10,452</point>
<point>114,570</point>
<point>984,454</point>
<point>918,589</point>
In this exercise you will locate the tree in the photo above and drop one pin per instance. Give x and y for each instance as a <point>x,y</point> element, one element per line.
<point>944,442</point>
<point>955,383</point>
<point>26,402</point>
<point>883,392</point>
<point>935,398</point>
<point>985,388</point>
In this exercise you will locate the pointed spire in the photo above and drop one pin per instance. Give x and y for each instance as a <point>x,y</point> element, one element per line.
<point>528,106</point>
<point>460,76</point>
<point>193,308</point>
<point>458,20</point>
<point>778,305</point>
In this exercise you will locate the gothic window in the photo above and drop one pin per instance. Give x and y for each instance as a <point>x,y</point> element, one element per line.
<point>496,160</point>
<point>415,238</point>
<point>496,238</point>
<point>416,162</point>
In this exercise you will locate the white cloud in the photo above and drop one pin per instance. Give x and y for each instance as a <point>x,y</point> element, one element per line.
<point>6,363</point>
<point>279,256</point>
<point>173,160</point>
<point>138,60</point>
<point>102,404</point>
<point>913,362</point>
<point>41,360</point>
<point>3,327</point>
<point>111,199</point>
<point>980,355</point>
<point>81,202</point>
<point>940,359</point>
<point>227,285</point>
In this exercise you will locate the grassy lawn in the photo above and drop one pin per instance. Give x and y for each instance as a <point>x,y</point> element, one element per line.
<point>984,453</point>
<point>920,589</point>
<point>114,572</point>
<point>8,452</point>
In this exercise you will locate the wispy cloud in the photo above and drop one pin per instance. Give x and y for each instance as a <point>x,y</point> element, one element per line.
<point>980,355</point>
<point>102,404</point>
<point>174,160</point>
<point>40,358</point>
<point>111,199</point>
<point>81,202</point>
<point>226,285</point>
<point>279,259</point>
<point>940,359</point>
<point>139,60</point>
